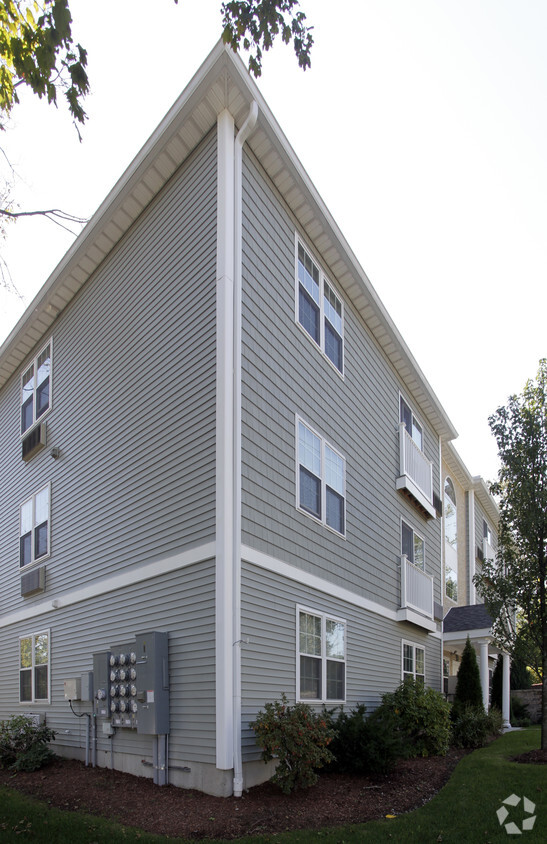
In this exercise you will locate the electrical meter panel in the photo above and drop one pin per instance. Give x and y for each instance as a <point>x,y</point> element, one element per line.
<point>132,683</point>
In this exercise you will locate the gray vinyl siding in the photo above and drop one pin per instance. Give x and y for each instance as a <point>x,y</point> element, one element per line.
<point>285,374</point>
<point>133,401</point>
<point>181,603</point>
<point>373,644</point>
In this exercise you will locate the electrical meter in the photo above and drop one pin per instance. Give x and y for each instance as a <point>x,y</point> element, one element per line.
<point>132,683</point>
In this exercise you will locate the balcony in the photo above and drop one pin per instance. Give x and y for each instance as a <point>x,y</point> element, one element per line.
<point>415,474</point>
<point>416,596</point>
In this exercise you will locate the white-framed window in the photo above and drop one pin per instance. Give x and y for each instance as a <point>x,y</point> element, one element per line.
<point>412,544</point>
<point>36,388</point>
<point>413,662</point>
<point>34,527</point>
<point>34,657</point>
<point>487,533</point>
<point>321,659</point>
<point>412,425</point>
<point>320,479</point>
<point>319,310</point>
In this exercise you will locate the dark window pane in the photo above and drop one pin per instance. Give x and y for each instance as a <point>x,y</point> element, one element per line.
<point>40,540</point>
<point>26,414</point>
<point>310,492</point>
<point>308,315</point>
<point>25,549</point>
<point>40,682</point>
<point>333,345</point>
<point>335,680</point>
<point>407,542</point>
<point>310,678</point>
<point>25,685</point>
<point>42,397</point>
<point>335,510</point>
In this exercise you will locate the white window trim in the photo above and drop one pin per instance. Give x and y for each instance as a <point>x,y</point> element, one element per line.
<point>324,442</point>
<point>323,277</point>
<point>35,701</point>
<point>412,645</point>
<point>414,419</point>
<point>36,561</point>
<point>414,533</point>
<point>324,618</point>
<point>33,361</point>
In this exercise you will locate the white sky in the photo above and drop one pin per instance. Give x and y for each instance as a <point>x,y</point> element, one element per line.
<point>422,124</point>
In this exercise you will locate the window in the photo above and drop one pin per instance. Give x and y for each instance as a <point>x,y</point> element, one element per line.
<point>320,311</point>
<point>34,668</point>
<point>487,533</point>
<point>320,479</point>
<point>413,546</point>
<point>321,668</point>
<point>411,423</point>
<point>413,662</point>
<point>451,541</point>
<point>34,528</point>
<point>36,389</point>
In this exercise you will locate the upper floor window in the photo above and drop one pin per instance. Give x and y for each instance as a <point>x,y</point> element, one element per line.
<point>487,533</point>
<point>320,311</point>
<point>320,479</point>
<point>321,668</point>
<point>411,424</point>
<point>34,668</point>
<point>34,527</point>
<point>451,541</point>
<point>413,546</point>
<point>36,389</point>
<point>413,662</point>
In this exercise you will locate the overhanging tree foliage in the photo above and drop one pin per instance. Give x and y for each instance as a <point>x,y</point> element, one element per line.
<point>516,582</point>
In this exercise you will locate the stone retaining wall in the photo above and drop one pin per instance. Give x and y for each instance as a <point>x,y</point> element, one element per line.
<point>531,698</point>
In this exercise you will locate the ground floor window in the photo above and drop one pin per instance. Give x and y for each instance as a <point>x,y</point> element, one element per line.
<point>413,662</point>
<point>321,666</point>
<point>34,667</point>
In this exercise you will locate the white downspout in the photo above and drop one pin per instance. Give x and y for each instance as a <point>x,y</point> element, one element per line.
<point>241,137</point>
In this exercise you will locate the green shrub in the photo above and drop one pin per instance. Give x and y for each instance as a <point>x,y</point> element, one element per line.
<point>470,726</point>
<point>520,716</point>
<point>23,745</point>
<point>422,716</point>
<point>366,745</point>
<point>468,685</point>
<point>495,721</point>
<point>298,737</point>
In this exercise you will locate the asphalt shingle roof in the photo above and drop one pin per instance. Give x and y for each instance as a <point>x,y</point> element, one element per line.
<point>472,617</point>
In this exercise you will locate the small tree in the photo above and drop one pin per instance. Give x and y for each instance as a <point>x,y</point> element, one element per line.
<point>515,584</point>
<point>468,685</point>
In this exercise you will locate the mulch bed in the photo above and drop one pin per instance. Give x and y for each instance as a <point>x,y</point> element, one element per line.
<point>336,800</point>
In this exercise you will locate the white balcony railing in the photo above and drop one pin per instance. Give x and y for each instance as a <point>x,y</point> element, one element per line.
<point>414,464</point>
<point>416,588</point>
<point>488,550</point>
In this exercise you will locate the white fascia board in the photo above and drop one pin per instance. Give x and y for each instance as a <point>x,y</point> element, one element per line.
<point>461,635</point>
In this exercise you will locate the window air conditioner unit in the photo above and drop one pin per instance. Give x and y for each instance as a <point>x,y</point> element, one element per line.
<point>33,582</point>
<point>37,718</point>
<point>34,441</point>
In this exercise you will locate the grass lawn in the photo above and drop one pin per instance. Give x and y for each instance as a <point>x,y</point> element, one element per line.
<point>464,812</point>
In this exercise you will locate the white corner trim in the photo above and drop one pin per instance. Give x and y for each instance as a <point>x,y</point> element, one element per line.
<point>224,440</point>
<point>127,577</point>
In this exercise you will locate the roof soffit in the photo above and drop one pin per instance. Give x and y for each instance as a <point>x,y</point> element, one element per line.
<point>222,82</point>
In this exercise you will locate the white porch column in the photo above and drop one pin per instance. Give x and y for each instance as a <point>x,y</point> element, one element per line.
<point>485,685</point>
<point>506,692</point>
